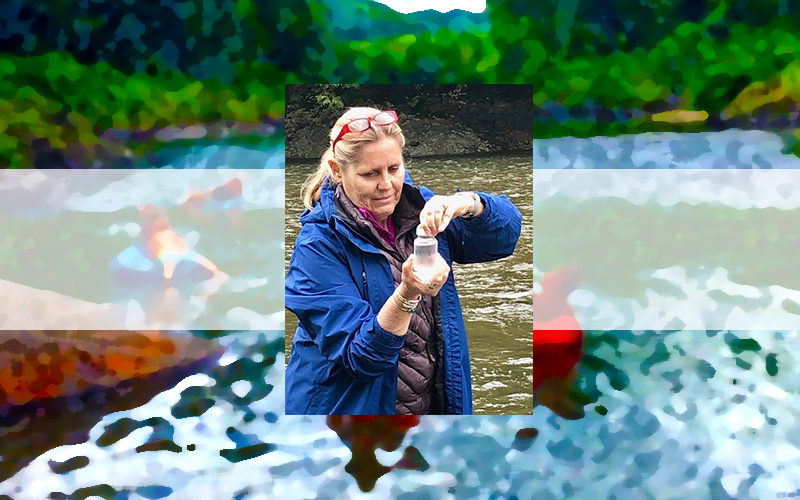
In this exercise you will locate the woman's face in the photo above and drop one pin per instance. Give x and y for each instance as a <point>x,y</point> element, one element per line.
<point>375,182</point>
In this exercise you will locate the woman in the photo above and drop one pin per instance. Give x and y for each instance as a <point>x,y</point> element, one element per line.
<point>372,339</point>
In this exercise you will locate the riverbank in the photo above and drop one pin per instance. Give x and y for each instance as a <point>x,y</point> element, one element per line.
<point>154,147</point>
<point>436,119</point>
<point>159,146</point>
<point>94,116</point>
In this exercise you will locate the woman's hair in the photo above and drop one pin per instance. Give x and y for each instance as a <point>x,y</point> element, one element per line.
<point>348,149</point>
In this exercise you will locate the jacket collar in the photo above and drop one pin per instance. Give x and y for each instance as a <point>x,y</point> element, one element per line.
<point>405,216</point>
<point>325,211</point>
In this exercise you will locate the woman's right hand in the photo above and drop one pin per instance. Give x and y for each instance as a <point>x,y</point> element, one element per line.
<point>411,286</point>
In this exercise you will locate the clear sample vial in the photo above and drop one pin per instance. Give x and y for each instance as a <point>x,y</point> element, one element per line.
<point>425,249</point>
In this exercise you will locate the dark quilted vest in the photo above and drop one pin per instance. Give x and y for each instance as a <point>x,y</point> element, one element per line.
<point>419,380</point>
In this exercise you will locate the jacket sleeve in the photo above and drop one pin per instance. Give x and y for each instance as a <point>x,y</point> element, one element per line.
<point>321,293</point>
<point>491,236</point>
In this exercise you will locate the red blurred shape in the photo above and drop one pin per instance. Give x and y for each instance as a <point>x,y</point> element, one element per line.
<point>37,365</point>
<point>364,434</point>
<point>557,343</point>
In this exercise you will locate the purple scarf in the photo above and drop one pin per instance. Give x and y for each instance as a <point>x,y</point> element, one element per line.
<point>387,235</point>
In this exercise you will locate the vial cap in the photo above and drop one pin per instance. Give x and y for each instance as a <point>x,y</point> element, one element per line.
<point>421,233</point>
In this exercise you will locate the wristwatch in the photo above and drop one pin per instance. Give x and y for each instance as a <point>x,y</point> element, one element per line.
<point>475,207</point>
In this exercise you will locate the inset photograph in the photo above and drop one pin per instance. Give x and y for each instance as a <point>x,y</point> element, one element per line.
<point>408,249</point>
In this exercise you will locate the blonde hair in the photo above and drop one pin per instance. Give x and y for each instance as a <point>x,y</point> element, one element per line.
<point>348,150</point>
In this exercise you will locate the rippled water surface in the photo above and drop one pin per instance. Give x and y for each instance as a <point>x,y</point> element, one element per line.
<point>689,292</point>
<point>495,296</point>
<point>184,428</point>
<point>674,414</point>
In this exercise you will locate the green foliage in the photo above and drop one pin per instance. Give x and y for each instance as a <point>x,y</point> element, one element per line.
<point>39,90</point>
<point>328,100</point>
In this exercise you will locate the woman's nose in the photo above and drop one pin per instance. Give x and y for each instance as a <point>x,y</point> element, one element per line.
<point>386,181</point>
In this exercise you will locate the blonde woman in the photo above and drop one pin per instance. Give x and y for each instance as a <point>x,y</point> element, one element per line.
<point>372,338</point>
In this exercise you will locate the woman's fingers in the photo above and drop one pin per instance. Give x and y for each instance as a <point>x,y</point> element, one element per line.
<point>408,270</point>
<point>426,220</point>
<point>413,284</point>
<point>437,218</point>
<point>449,211</point>
<point>437,214</point>
<point>440,275</point>
<point>439,211</point>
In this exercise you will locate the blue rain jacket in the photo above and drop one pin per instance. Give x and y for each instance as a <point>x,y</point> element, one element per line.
<point>342,361</point>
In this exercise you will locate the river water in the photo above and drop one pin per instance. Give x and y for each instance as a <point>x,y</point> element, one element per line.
<point>675,414</point>
<point>495,296</point>
<point>59,233</point>
<point>668,235</point>
<point>686,247</point>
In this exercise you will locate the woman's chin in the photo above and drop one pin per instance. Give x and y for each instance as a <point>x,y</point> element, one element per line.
<point>382,214</point>
<point>381,210</point>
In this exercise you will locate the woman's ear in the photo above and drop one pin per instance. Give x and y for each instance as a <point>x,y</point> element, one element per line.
<point>336,172</point>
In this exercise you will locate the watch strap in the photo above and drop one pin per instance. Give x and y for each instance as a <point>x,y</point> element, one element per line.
<point>475,207</point>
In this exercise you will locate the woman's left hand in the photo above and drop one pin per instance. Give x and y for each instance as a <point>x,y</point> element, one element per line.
<point>440,210</point>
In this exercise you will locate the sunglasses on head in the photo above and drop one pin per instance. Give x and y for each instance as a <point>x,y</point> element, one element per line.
<point>361,124</point>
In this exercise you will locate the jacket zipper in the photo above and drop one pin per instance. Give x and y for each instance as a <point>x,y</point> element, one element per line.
<point>364,280</point>
<point>438,334</point>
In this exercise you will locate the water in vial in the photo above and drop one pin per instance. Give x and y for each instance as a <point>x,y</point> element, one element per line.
<point>425,248</point>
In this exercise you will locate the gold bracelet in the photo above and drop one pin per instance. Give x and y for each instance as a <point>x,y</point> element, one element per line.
<point>400,306</point>
<point>405,304</point>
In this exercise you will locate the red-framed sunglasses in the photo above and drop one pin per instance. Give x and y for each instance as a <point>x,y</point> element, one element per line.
<point>361,124</point>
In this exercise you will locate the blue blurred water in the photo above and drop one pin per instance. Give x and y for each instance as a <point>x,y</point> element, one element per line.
<point>730,149</point>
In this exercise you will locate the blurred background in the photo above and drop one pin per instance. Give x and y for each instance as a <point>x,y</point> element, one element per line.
<point>140,84</point>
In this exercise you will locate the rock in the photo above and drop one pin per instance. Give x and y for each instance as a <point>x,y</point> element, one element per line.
<point>424,136</point>
<point>42,364</point>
